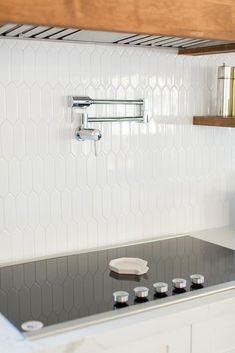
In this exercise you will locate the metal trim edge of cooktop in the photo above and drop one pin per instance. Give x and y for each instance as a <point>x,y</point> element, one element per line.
<point>128,311</point>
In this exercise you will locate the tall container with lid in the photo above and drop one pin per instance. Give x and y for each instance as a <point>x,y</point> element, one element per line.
<point>233,108</point>
<point>225,90</point>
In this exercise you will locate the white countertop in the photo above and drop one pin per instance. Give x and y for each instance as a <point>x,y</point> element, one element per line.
<point>12,341</point>
<point>221,236</point>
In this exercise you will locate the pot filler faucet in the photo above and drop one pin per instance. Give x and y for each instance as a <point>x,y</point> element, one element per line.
<point>84,133</point>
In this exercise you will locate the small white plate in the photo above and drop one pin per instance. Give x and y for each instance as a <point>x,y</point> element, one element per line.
<point>129,265</point>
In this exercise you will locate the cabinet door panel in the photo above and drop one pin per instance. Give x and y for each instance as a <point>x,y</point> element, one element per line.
<point>170,341</point>
<point>214,336</point>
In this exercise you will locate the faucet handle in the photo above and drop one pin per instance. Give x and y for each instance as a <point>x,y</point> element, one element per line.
<point>88,134</point>
<point>95,148</point>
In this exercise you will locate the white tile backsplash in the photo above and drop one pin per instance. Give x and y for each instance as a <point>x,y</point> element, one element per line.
<point>148,180</point>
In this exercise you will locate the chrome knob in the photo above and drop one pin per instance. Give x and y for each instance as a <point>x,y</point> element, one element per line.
<point>120,297</point>
<point>197,279</point>
<point>160,287</point>
<point>179,283</point>
<point>141,292</point>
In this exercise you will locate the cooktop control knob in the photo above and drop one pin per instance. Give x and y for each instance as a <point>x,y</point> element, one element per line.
<point>32,325</point>
<point>179,283</point>
<point>141,292</point>
<point>160,287</point>
<point>120,297</point>
<point>197,279</point>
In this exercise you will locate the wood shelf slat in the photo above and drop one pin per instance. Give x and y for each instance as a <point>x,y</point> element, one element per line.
<point>214,121</point>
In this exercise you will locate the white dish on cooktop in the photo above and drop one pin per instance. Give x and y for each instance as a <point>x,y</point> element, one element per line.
<point>129,266</point>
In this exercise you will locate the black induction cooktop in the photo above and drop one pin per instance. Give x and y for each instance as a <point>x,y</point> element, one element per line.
<point>76,286</point>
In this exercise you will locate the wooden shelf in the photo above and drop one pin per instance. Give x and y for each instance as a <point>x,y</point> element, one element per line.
<point>214,121</point>
<point>206,50</point>
<point>208,19</point>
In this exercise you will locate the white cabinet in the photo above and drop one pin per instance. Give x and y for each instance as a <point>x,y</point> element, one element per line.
<point>170,341</point>
<point>216,335</point>
<point>176,341</point>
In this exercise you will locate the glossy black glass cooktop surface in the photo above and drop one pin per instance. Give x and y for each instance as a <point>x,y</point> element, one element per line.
<point>75,286</point>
